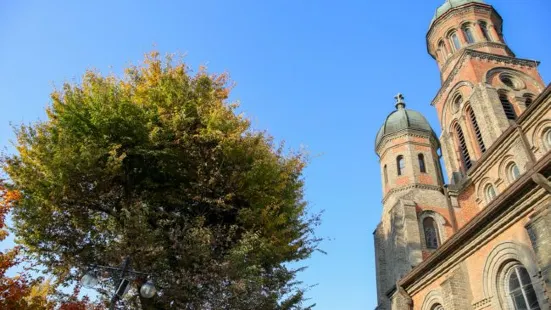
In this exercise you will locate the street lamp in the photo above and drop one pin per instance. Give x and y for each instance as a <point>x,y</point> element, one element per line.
<point>121,279</point>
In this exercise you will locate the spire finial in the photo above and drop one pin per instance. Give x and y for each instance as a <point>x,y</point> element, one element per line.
<point>400,101</point>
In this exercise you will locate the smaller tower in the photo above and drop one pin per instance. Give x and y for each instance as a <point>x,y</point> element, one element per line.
<point>415,218</point>
<point>407,148</point>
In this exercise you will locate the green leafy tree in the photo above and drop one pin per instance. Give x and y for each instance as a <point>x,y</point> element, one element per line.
<point>158,166</point>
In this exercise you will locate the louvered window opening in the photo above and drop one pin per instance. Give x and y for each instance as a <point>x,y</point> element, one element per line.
<point>477,131</point>
<point>507,107</point>
<point>466,158</point>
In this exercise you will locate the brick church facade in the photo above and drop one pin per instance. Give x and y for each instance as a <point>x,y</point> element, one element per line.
<point>483,241</point>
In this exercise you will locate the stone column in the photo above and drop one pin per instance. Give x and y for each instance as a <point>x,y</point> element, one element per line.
<point>493,33</point>
<point>519,101</point>
<point>401,300</point>
<point>539,230</point>
<point>456,290</point>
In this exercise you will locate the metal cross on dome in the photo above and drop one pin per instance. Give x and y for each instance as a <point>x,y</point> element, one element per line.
<point>399,98</point>
<point>399,101</point>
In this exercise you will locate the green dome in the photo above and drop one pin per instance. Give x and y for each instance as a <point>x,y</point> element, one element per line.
<point>402,119</point>
<point>450,4</point>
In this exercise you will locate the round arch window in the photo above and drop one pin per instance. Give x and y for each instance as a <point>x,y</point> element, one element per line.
<point>490,193</point>
<point>511,81</point>
<point>457,101</point>
<point>437,307</point>
<point>520,290</point>
<point>513,171</point>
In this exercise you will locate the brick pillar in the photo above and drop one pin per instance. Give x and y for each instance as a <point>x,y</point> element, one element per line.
<point>519,101</point>
<point>462,37</point>
<point>401,300</point>
<point>456,290</point>
<point>479,37</point>
<point>494,33</point>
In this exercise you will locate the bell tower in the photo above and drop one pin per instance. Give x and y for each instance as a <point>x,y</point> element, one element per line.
<point>485,87</point>
<point>416,218</point>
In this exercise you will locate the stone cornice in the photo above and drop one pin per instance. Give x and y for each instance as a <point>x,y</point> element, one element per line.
<point>408,187</point>
<point>405,132</point>
<point>502,208</point>
<point>474,46</point>
<point>469,54</point>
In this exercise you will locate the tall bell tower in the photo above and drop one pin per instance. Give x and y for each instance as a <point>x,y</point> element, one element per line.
<point>485,87</point>
<point>415,218</point>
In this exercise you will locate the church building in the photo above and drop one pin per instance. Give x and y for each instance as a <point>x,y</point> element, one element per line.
<point>483,240</point>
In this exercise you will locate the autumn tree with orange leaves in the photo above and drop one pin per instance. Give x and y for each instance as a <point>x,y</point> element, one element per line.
<point>23,292</point>
<point>15,292</point>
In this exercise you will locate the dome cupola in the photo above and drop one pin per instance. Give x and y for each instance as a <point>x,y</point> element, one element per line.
<point>403,119</point>
<point>450,4</point>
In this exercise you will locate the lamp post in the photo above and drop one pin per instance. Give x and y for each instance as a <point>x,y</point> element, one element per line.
<point>121,281</point>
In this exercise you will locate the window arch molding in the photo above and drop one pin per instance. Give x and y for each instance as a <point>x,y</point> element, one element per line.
<point>433,298</point>
<point>505,168</point>
<point>440,222</point>
<point>448,101</point>
<point>498,263</point>
<point>400,165</point>
<point>481,191</point>
<point>453,40</point>
<point>540,137</point>
<point>467,29</point>
<point>484,28</point>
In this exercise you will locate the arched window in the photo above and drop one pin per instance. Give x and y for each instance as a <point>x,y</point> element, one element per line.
<point>432,239</point>
<point>457,101</point>
<point>455,41</point>
<point>400,163</point>
<point>422,167</point>
<point>468,34</point>
<point>484,29</point>
<point>508,81</point>
<point>520,289</point>
<point>528,99</point>
<point>464,152</point>
<point>513,172</point>
<point>437,307</point>
<point>507,107</point>
<point>490,193</point>
<point>476,129</point>
<point>385,175</point>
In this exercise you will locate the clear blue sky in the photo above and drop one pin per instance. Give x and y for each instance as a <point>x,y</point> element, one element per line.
<point>316,73</point>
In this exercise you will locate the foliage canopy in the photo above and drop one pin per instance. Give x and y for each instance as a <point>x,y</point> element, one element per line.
<point>158,166</point>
